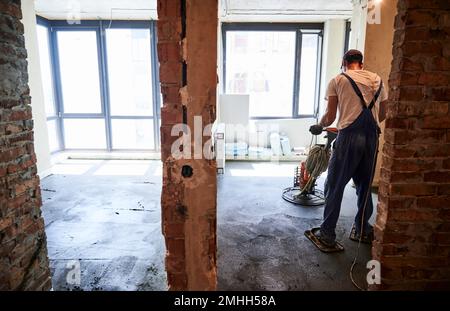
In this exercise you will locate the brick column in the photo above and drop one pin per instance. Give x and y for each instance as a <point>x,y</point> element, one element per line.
<point>413,223</point>
<point>23,252</point>
<point>187,49</point>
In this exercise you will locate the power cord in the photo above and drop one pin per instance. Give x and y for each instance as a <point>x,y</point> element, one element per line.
<point>362,217</point>
<point>316,160</point>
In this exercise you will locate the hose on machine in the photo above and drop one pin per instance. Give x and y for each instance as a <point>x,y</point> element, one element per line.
<point>316,164</point>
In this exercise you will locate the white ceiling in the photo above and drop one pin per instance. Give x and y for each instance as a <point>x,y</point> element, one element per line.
<point>231,10</point>
<point>287,6</point>
<point>97,9</point>
<point>284,10</point>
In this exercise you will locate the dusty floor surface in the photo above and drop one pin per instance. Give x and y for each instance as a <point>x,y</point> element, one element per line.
<point>104,217</point>
<point>261,237</point>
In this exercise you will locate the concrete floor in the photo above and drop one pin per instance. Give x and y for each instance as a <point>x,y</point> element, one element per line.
<point>261,237</point>
<point>104,216</point>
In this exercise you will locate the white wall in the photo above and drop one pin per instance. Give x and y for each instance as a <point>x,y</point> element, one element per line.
<point>333,50</point>
<point>296,129</point>
<point>358,26</point>
<point>41,144</point>
<point>333,47</point>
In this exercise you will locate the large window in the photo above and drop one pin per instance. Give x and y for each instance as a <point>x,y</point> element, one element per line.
<point>79,71</point>
<point>278,65</point>
<point>130,85</point>
<point>129,69</point>
<point>309,72</point>
<point>100,85</point>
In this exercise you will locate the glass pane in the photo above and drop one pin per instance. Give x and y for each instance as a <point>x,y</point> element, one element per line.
<point>132,134</point>
<point>129,69</point>
<point>79,71</point>
<point>85,133</point>
<point>46,69</point>
<point>53,135</point>
<point>308,74</point>
<point>158,143</point>
<point>261,63</point>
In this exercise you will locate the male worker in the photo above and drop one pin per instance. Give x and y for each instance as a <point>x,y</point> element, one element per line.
<point>360,98</point>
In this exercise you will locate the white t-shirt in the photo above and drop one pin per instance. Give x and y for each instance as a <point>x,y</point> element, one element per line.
<point>349,104</point>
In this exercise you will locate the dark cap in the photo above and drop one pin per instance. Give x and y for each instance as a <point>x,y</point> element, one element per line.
<point>352,56</point>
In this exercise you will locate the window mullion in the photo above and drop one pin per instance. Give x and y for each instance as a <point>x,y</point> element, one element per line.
<point>298,57</point>
<point>318,75</point>
<point>104,84</point>
<point>155,85</point>
<point>57,87</point>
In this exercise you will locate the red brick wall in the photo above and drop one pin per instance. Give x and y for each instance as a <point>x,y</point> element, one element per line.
<point>187,46</point>
<point>413,223</point>
<point>23,252</point>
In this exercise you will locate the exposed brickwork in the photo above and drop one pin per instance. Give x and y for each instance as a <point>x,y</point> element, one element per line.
<point>413,223</point>
<point>188,83</point>
<point>23,252</point>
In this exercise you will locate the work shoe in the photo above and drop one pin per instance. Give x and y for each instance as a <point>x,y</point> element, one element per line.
<point>324,238</point>
<point>366,238</point>
<point>324,243</point>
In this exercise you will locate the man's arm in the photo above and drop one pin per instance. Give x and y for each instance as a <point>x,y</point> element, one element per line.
<point>382,111</point>
<point>330,114</point>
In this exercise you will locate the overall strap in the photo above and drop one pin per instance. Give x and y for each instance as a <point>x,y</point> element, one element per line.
<point>377,94</point>
<point>357,90</point>
<point>360,95</point>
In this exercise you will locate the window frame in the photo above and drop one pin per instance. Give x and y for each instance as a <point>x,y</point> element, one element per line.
<point>100,27</point>
<point>348,31</point>
<point>299,29</point>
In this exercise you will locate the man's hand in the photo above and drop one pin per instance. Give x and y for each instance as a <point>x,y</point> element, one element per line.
<point>316,129</point>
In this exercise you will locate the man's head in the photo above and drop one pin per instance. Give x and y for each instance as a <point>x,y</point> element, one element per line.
<point>353,59</point>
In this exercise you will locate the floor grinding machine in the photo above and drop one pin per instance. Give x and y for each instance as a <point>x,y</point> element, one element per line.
<point>304,191</point>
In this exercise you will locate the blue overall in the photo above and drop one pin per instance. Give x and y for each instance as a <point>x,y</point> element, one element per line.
<point>353,157</point>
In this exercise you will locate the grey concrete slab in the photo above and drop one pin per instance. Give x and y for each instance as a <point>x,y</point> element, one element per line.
<point>261,242</point>
<point>105,217</point>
